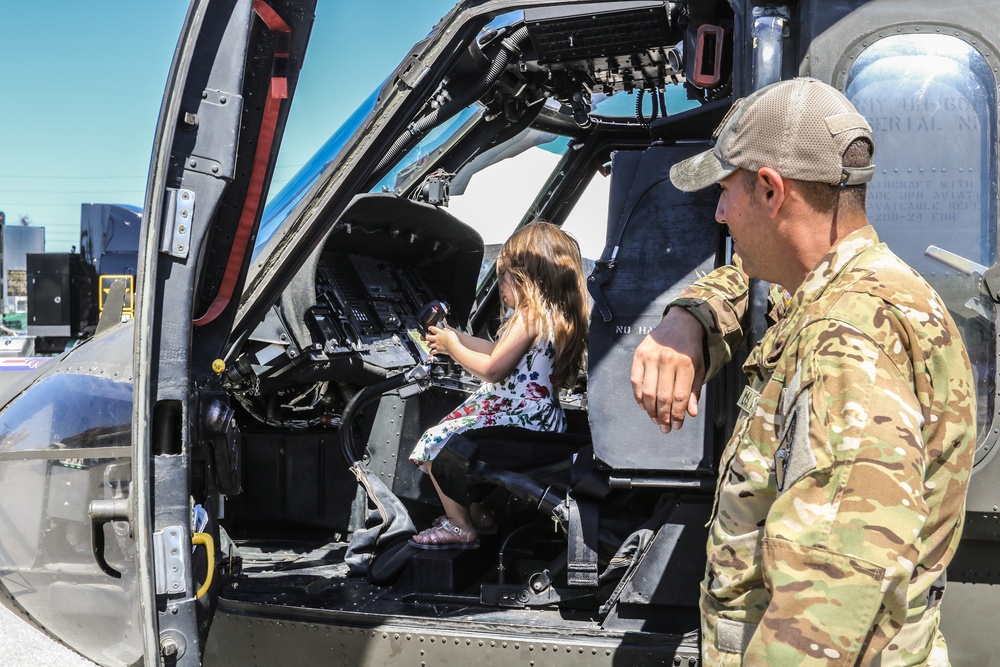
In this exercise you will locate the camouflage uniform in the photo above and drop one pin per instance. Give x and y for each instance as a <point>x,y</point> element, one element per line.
<point>842,491</point>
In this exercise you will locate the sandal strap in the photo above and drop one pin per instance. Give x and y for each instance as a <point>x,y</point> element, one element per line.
<point>448,533</point>
<point>449,526</point>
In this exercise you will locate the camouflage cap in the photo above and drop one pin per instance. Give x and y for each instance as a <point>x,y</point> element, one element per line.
<point>800,128</point>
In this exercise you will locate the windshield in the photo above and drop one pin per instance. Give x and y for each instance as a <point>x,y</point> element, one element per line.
<point>421,158</point>
<point>436,141</point>
<point>536,151</point>
<point>279,206</point>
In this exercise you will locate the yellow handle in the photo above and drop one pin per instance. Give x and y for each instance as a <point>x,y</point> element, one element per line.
<point>206,540</point>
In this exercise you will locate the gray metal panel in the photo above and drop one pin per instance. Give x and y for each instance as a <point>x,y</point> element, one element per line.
<point>670,240</point>
<point>18,242</point>
<point>53,330</point>
<point>245,640</point>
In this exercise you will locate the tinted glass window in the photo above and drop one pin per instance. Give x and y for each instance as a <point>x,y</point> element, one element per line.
<point>931,102</point>
<point>63,443</point>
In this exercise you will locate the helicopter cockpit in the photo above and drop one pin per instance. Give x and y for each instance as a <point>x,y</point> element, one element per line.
<point>227,518</point>
<point>530,84</point>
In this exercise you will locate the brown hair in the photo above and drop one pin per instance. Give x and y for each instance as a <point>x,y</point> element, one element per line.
<point>825,198</point>
<point>546,272</point>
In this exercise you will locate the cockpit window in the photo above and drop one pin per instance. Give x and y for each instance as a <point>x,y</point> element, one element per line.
<point>629,106</point>
<point>65,442</point>
<point>495,190</point>
<point>69,412</point>
<point>280,205</point>
<point>931,102</point>
<point>640,105</point>
<point>404,172</point>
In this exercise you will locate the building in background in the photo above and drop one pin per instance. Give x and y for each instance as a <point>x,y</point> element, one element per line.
<point>18,241</point>
<point>66,291</point>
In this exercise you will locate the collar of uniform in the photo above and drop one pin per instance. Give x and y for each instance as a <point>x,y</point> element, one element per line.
<point>833,264</point>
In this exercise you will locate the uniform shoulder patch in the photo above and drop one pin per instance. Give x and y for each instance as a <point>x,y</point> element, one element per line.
<point>794,456</point>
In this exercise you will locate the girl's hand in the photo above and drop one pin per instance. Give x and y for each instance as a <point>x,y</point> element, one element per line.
<point>441,339</point>
<point>485,359</point>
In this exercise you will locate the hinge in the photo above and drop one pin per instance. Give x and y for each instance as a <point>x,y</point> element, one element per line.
<point>412,72</point>
<point>179,214</point>
<point>168,561</point>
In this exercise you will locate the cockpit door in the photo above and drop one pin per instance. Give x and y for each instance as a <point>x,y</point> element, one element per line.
<point>226,101</point>
<point>925,76</point>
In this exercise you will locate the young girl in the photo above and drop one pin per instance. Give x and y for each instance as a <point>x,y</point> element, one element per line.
<point>540,349</point>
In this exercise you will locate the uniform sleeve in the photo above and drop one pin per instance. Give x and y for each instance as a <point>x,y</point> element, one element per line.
<point>844,533</point>
<point>719,301</point>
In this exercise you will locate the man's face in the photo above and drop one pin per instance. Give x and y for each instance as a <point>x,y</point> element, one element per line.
<point>740,209</point>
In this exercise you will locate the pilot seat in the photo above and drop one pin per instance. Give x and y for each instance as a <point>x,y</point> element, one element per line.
<point>629,502</point>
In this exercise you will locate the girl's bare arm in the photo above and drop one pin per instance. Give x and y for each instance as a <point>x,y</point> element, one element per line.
<point>492,365</point>
<point>474,343</point>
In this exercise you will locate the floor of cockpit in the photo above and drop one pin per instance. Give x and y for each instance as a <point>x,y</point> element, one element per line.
<point>308,579</point>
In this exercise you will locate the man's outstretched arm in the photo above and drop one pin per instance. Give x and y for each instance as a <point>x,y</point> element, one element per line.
<point>689,345</point>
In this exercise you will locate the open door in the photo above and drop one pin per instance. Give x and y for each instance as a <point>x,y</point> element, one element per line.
<point>221,121</point>
<point>924,75</point>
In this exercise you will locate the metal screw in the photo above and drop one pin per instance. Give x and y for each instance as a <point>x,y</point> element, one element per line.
<point>168,647</point>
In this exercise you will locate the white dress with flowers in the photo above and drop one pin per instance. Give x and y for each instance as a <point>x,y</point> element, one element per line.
<point>525,398</point>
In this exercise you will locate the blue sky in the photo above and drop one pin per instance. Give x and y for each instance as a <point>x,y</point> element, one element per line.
<point>82,83</point>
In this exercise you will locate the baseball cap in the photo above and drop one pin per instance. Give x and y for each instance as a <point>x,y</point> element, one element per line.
<point>799,127</point>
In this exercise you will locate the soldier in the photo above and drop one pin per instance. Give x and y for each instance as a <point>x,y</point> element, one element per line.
<point>842,491</point>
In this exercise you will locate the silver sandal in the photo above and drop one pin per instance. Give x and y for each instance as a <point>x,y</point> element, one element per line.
<point>442,534</point>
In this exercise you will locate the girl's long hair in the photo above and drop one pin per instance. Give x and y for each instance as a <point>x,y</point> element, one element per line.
<point>546,272</point>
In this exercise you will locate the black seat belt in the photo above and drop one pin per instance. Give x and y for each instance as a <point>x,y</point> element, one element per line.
<point>581,556</point>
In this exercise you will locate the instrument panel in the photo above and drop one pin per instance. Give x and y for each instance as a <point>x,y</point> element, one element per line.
<point>369,306</point>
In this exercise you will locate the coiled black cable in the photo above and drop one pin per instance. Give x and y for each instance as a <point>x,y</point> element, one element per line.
<point>437,116</point>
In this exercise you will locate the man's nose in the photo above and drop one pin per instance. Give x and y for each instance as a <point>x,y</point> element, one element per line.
<point>720,213</point>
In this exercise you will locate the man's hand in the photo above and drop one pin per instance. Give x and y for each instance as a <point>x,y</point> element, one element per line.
<point>668,369</point>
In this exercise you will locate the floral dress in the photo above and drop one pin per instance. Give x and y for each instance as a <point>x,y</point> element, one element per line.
<point>525,398</point>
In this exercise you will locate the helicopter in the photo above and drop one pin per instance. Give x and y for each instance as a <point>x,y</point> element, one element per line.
<point>222,477</point>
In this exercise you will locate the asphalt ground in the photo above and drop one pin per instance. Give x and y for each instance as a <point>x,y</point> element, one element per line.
<point>21,645</point>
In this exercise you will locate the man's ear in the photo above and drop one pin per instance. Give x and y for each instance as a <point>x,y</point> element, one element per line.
<point>774,189</point>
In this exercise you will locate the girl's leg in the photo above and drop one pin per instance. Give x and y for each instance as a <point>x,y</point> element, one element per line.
<point>455,511</point>
<point>482,518</point>
<point>457,514</point>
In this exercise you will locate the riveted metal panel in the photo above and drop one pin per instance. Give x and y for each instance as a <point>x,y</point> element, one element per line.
<point>252,641</point>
